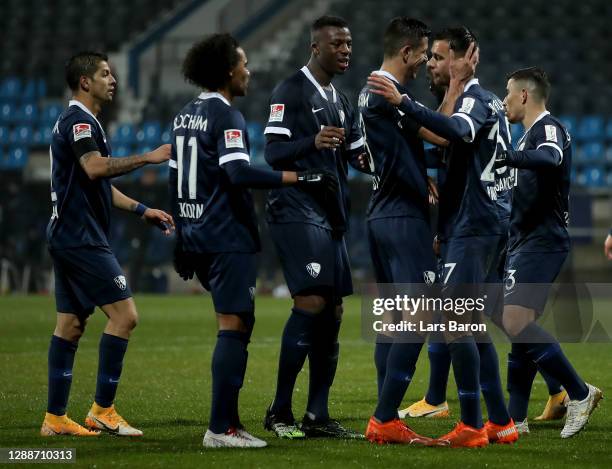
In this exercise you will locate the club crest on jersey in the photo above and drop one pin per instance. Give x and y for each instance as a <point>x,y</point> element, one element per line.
<point>467,105</point>
<point>313,269</point>
<point>551,133</point>
<point>429,277</point>
<point>277,112</point>
<point>120,282</point>
<point>81,131</point>
<point>233,138</point>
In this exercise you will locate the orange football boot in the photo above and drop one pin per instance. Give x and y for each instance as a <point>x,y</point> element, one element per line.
<point>464,436</point>
<point>396,431</point>
<point>502,434</point>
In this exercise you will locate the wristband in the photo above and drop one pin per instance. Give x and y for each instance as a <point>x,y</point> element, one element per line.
<point>140,209</point>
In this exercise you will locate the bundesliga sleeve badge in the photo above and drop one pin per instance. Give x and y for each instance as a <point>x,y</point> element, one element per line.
<point>233,138</point>
<point>81,131</point>
<point>277,112</point>
<point>551,133</point>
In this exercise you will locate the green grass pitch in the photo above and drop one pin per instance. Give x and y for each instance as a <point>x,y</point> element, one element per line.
<point>165,391</point>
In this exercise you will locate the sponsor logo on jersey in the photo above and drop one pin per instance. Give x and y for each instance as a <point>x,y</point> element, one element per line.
<point>277,112</point>
<point>313,269</point>
<point>551,133</point>
<point>467,105</point>
<point>81,131</point>
<point>233,138</point>
<point>429,277</point>
<point>120,282</point>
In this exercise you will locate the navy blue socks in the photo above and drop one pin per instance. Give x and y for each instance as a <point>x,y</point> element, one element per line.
<point>466,368</point>
<point>401,364</point>
<point>381,352</point>
<point>490,384</point>
<point>439,368</point>
<point>521,372</point>
<point>61,360</point>
<point>296,342</point>
<point>112,351</point>
<point>228,366</point>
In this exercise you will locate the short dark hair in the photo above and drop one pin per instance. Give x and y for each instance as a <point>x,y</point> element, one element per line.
<point>402,31</point>
<point>536,77</point>
<point>84,63</point>
<point>209,62</point>
<point>328,20</point>
<point>459,38</point>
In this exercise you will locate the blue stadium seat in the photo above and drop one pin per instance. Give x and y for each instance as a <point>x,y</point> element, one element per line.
<point>592,152</point>
<point>166,135</point>
<point>150,133</point>
<point>16,158</point>
<point>516,131</point>
<point>50,113</point>
<point>609,131</point>
<point>10,89</point>
<point>42,136</point>
<point>26,113</point>
<point>4,135</point>
<point>35,88</point>
<point>590,128</point>
<point>121,151</point>
<point>124,134</point>
<point>594,176</point>
<point>569,122</point>
<point>21,135</point>
<point>7,112</point>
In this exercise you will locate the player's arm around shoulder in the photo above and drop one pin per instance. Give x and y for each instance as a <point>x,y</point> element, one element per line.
<point>153,216</point>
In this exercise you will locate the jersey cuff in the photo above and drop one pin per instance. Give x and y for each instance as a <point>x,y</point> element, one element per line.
<point>356,144</point>
<point>277,131</point>
<point>233,157</point>
<point>84,145</point>
<point>469,121</point>
<point>552,145</point>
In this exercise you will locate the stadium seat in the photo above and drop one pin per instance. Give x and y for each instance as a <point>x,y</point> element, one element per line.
<point>7,113</point>
<point>166,135</point>
<point>589,128</point>
<point>121,151</point>
<point>149,133</point>
<point>4,135</point>
<point>10,89</point>
<point>594,176</point>
<point>21,135</point>
<point>592,152</point>
<point>16,158</point>
<point>569,122</point>
<point>42,136</point>
<point>516,131</point>
<point>34,89</point>
<point>124,134</point>
<point>50,113</point>
<point>26,113</point>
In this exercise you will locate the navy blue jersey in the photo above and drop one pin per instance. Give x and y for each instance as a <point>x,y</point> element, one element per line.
<point>299,108</point>
<point>398,158</point>
<point>211,214</point>
<point>80,207</point>
<point>540,199</point>
<point>470,202</point>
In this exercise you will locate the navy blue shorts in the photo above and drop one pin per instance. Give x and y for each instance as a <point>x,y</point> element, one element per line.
<point>86,277</point>
<point>401,250</point>
<point>528,277</point>
<point>312,259</point>
<point>230,277</point>
<point>474,266</point>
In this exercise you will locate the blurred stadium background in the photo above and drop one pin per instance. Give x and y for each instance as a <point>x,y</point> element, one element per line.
<point>147,40</point>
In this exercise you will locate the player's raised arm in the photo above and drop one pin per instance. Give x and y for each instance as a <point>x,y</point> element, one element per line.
<point>155,217</point>
<point>97,166</point>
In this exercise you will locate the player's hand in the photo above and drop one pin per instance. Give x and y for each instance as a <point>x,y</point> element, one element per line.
<point>381,85</point>
<point>160,219</point>
<point>608,247</point>
<point>329,137</point>
<point>160,154</point>
<point>463,68</point>
<point>432,189</point>
<point>318,177</point>
<point>183,263</point>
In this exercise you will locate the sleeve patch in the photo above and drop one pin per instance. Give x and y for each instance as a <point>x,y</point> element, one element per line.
<point>551,133</point>
<point>277,112</point>
<point>467,105</point>
<point>81,131</point>
<point>233,138</point>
